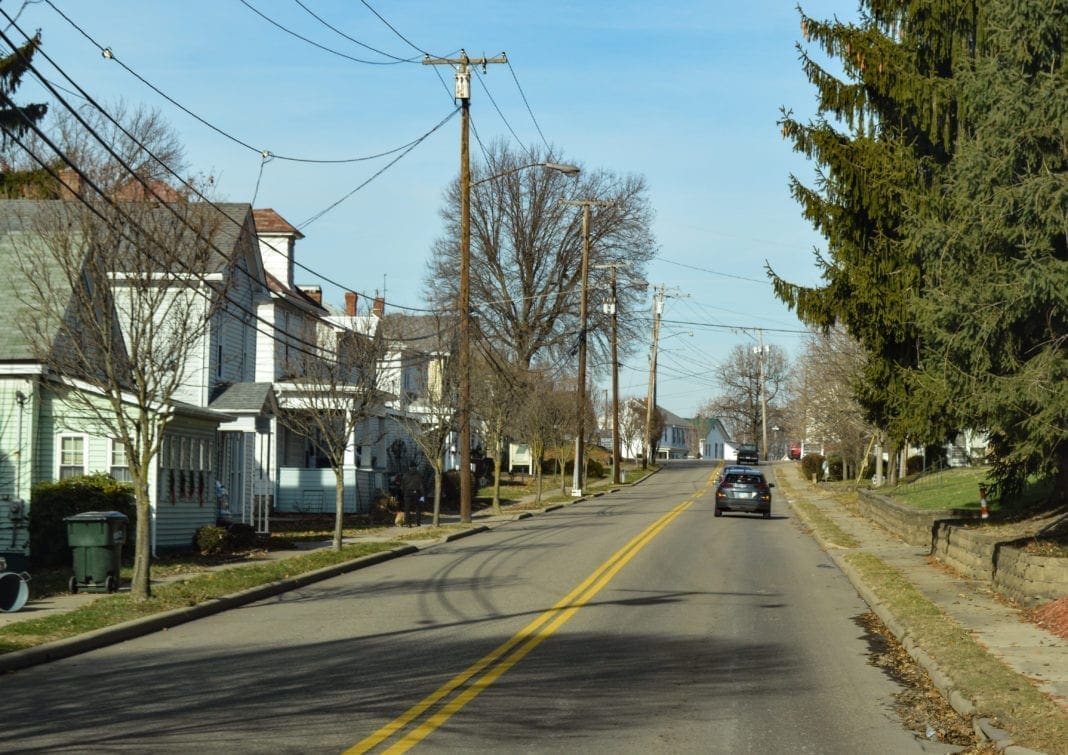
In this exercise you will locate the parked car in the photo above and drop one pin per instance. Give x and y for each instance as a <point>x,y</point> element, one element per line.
<point>748,454</point>
<point>795,451</point>
<point>747,491</point>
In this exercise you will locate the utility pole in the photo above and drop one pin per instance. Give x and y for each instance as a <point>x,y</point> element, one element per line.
<point>463,304</point>
<point>611,309</point>
<point>763,401</point>
<point>650,402</point>
<point>579,474</point>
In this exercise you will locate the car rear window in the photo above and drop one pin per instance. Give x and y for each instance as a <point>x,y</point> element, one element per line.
<point>745,478</point>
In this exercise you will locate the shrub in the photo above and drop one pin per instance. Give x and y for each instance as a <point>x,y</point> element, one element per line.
<point>212,540</point>
<point>450,487</point>
<point>812,464</point>
<point>914,464</point>
<point>242,536</point>
<point>835,466</point>
<point>52,502</point>
<point>594,468</point>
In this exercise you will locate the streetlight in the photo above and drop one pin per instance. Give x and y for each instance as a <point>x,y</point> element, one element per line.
<point>464,304</point>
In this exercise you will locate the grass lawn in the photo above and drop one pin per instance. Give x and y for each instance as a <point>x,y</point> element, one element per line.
<point>959,489</point>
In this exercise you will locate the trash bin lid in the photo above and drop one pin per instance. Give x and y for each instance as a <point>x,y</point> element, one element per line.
<point>96,516</point>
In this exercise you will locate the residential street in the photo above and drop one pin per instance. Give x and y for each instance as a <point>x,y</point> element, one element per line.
<point>672,631</point>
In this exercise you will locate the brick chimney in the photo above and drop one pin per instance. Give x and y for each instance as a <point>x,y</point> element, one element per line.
<point>315,293</point>
<point>350,303</point>
<point>379,307</point>
<point>70,184</point>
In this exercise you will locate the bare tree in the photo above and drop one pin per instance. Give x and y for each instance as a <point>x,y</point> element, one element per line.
<point>120,302</point>
<point>739,377</point>
<point>826,373</point>
<point>500,390</point>
<point>543,412</point>
<point>331,390</point>
<point>526,251</point>
<point>632,423</point>
<point>431,417</point>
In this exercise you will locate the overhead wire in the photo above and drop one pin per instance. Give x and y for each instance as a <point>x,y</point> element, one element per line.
<point>394,60</point>
<point>290,340</point>
<point>109,54</point>
<point>89,99</point>
<point>382,170</point>
<point>530,110</point>
<point>338,31</point>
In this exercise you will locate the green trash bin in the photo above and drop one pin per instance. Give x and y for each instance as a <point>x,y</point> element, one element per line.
<point>96,539</point>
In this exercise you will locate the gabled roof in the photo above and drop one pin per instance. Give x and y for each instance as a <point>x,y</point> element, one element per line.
<point>270,222</point>
<point>418,332</point>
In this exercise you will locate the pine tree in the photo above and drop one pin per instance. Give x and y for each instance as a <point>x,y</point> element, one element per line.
<point>997,249</point>
<point>16,119</point>
<point>882,138</point>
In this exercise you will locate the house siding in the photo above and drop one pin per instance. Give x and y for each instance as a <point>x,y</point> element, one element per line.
<point>185,493</point>
<point>18,428</point>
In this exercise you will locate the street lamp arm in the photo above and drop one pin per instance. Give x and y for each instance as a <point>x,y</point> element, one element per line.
<point>567,170</point>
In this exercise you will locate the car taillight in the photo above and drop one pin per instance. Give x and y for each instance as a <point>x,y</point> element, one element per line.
<point>726,485</point>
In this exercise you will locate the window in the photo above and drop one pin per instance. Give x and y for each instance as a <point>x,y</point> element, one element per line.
<point>71,456</point>
<point>120,467</point>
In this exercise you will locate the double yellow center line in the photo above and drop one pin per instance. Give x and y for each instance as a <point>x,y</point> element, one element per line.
<point>465,687</point>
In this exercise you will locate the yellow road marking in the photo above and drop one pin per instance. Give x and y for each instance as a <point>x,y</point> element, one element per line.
<point>514,649</point>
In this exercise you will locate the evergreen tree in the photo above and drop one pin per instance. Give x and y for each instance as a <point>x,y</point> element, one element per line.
<point>996,251</point>
<point>882,137</point>
<point>16,120</point>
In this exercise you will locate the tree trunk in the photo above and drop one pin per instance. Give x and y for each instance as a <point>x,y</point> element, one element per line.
<point>497,477</point>
<point>339,503</point>
<point>141,586</point>
<point>439,465</point>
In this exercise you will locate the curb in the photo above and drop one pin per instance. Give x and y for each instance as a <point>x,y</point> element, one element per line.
<point>984,729</point>
<point>128,630</point>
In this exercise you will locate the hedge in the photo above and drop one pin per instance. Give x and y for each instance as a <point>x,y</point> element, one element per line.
<point>52,502</point>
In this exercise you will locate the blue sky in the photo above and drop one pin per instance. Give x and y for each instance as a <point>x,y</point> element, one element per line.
<point>685,93</point>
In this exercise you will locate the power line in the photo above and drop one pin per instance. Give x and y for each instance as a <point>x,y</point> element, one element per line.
<point>333,28</point>
<point>89,99</point>
<point>109,54</point>
<point>394,60</point>
<point>529,110</point>
<point>393,29</point>
<point>382,170</point>
<point>289,339</point>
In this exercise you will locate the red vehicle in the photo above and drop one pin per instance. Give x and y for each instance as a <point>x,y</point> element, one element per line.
<point>795,451</point>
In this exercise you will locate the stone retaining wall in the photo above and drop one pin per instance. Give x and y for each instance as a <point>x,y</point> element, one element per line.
<point>1029,579</point>
<point>911,525</point>
<point>976,553</point>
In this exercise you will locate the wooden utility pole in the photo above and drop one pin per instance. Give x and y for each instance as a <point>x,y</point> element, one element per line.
<point>611,308</point>
<point>658,309</point>
<point>579,473</point>
<point>463,303</point>
<point>615,381</point>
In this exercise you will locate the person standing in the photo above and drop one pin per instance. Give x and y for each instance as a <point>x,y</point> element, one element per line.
<point>412,483</point>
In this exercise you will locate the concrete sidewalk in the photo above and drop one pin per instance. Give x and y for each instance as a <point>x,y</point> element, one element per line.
<point>998,626</point>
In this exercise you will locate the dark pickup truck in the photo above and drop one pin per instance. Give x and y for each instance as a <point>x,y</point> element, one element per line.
<point>747,454</point>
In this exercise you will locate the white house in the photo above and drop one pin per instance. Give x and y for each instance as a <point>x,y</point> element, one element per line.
<point>716,442</point>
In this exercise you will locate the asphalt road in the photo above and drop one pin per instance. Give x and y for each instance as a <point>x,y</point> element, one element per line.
<point>634,622</point>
